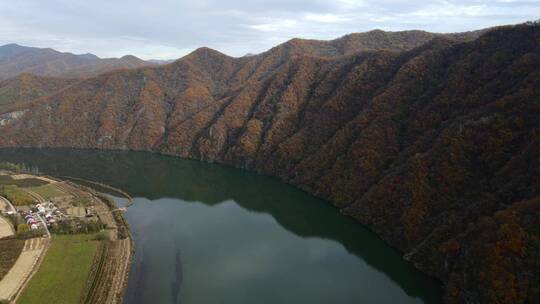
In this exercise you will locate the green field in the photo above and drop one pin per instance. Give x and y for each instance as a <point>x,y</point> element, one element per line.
<point>48,191</point>
<point>63,274</point>
<point>24,182</point>
<point>15,195</point>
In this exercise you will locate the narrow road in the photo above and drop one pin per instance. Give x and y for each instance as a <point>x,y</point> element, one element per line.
<point>120,191</point>
<point>44,225</point>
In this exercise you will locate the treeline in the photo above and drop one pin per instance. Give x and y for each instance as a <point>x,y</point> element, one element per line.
<point>18,167</point>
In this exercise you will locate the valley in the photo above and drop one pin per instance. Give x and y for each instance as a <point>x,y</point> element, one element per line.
<point>429,140</point>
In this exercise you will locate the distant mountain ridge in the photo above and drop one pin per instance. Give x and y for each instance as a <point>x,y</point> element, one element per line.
<point>16,60</point>
<point>12,96</point>
<point>431,140</point>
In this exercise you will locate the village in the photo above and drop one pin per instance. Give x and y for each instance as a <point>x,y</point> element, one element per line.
<point>43,218</point>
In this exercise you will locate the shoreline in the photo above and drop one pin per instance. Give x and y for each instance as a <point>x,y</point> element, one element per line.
<point>113,263</point>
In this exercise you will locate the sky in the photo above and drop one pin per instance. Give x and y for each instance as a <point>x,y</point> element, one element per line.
<point>169,29</point>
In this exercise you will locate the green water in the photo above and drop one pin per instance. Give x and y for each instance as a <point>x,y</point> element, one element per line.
<point>207,233</point>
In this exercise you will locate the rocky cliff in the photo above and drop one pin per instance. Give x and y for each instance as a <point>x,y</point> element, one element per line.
<point>430,140</point>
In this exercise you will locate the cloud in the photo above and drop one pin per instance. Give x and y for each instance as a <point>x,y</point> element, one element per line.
<point>274,26</point>
<point>446,9</point>
<point>326,18</point>
<point>161,28</point>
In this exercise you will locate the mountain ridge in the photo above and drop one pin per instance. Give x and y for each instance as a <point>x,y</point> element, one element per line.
<point>16,59</point>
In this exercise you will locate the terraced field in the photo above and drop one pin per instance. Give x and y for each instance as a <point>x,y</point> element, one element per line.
<point>48,191</point>
<point>23,182</point>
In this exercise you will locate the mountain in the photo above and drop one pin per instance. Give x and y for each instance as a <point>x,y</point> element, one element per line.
<point>375,40</point>
<point>16,59</point>
<point>430,140</point>
<point>24,88</point>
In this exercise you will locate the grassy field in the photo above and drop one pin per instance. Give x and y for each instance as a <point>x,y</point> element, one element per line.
<point>64,272</point>
<point>48,191</point>
<point>15,195</point>
<point>24,182</point>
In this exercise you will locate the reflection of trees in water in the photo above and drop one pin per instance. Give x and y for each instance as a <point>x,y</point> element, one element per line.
<point>177,283</point>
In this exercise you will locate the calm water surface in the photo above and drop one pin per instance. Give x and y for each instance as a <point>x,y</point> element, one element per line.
<point>211,234</point>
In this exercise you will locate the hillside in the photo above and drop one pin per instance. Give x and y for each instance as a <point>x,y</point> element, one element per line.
<point>16,60</point>
<point>432,144</point>
<point>26,87</point>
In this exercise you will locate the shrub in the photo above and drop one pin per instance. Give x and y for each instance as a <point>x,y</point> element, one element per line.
<point>23,228</point>
<point>102,236</point>
<point>11,167</point>
<point>28,234</point>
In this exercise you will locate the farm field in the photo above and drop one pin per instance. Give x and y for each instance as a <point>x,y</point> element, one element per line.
<point>48,191</point>
<point>64,271</point>
<point>23,182</point>
<point>10,249</point>
<point>16,195</point>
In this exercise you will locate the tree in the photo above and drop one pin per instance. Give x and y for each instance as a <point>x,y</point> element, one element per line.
<point>22,228</point>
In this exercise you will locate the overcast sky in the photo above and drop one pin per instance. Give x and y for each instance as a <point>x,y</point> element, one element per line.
<point>163,29</point>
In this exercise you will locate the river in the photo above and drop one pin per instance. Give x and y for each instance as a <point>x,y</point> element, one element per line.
<point>206,233</point>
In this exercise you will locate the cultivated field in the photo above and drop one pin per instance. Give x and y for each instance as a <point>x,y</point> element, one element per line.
<point>48,191</point>
<point>10,249</point>
<point>23,267</point>
<point>22,182</point>
<point>64,272</point>
<point>15,195</point>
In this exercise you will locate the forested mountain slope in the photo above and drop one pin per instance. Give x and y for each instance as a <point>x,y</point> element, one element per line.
<point>435,146</point>
<point>26,87</point>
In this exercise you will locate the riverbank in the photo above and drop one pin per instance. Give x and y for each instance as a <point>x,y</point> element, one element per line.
<point>110,270</point>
